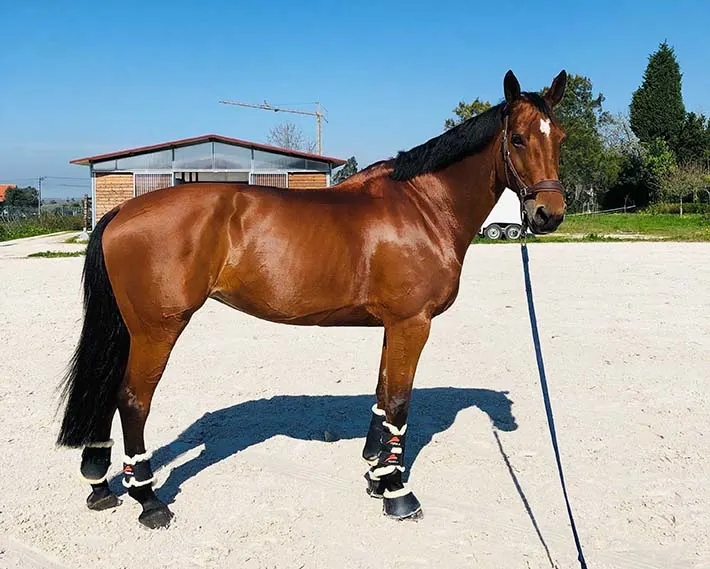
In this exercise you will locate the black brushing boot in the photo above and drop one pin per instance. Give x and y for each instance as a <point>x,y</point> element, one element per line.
<point>139,479</point>
<point>95,462</point>
<point>374,436</point>
<point>385,477</point>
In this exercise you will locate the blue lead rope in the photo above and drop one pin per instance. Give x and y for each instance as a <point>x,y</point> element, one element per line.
<point>546,396</point>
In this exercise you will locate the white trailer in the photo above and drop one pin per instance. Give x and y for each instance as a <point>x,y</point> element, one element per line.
<point>504,220</point>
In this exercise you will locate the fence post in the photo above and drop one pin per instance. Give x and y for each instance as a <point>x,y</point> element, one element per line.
<point>85,204</point>
<point>84,236</point>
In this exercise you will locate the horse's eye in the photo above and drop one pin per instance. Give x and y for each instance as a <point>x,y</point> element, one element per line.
<point>517,140</point>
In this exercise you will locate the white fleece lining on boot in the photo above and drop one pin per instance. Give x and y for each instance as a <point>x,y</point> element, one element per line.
<point>371,462</point>
<point>105,444</point>
<point>384,471</point>
<point>132,460</point>
<point>377,411</point>
<point>394,430</point>
<point>135,483</point>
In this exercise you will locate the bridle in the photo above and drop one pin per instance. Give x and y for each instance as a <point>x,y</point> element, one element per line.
<point>524,191</point>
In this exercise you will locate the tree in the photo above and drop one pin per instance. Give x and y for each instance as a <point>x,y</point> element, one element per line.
<point>657,109</point>
<point>587,167</point>
<point>22,197</point>
<point>683,182</point>
<point>659,163</point>
<point>693,141</point>
<point>288,135</point>
<point>630,187</point>
<point>618,136</point>
<point>465,111</point>
<point>348,169</point>
<point>643,166</point>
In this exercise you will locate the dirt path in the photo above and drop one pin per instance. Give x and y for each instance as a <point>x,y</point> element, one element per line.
<point>239,425</point>
<point>21,248</point>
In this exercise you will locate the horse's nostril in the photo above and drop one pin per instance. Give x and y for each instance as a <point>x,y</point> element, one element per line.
<point>541,214</point>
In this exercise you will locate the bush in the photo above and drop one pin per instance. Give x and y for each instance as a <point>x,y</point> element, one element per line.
<point>690,207</point>
<point>46,223</point>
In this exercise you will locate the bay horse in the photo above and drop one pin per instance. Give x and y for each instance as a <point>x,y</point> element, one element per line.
<point>383,248</point>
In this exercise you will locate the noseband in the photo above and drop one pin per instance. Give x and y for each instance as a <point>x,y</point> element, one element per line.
<point>526,192</point>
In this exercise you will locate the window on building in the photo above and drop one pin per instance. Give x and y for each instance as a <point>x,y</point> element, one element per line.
<point>197,156</point>
<point>272,161</point>
<point>231,157</point>
<point>145,183</point>
<point>274,180</point>
<point>151,161</point>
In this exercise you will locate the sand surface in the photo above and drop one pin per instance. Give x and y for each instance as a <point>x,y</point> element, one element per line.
<point>257,428</point>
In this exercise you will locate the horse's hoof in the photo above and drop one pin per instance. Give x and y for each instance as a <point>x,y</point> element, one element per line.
<point>102,500</point>
<point>405,507</point>
<point>375,488</point>
<point>157,518</point>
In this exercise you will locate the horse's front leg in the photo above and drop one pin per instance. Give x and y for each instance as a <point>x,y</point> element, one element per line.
<point>386,439</point>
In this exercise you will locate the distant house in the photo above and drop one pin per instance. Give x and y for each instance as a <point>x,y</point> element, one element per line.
<point>3,189</point>
<point>122,175</point>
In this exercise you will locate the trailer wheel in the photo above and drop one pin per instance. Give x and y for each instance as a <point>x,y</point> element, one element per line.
<point>493,231</point>
<point>512,232</point>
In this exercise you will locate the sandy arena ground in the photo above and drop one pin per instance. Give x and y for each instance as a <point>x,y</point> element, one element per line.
<point>258,427</point>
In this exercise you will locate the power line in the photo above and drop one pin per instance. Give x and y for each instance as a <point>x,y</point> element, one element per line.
<point>34,178</point>
<point>66,177</point>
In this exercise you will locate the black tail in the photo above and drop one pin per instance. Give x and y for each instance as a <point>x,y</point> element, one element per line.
<point>96,370</point>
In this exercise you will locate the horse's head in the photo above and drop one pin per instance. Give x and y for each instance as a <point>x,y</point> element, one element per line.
<point>531,152</point>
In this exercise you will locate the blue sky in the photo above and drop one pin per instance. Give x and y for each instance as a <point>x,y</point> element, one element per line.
<point>80,78</point>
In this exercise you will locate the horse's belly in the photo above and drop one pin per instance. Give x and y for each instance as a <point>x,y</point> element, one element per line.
<point>294,297</point>
<point>335,316</point>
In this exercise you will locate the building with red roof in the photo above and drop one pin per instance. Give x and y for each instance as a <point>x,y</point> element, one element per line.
<point>122,175</point>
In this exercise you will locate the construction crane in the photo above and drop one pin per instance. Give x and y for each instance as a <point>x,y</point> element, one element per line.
<point>320,117</point>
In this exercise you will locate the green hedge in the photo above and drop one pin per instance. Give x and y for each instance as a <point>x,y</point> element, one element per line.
<point>47,223</point>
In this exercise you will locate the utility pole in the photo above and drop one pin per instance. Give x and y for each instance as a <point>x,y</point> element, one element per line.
<point>318,113</point>
<point>39,195</point>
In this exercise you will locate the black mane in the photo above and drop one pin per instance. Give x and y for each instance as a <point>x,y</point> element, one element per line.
<point>467,138</point>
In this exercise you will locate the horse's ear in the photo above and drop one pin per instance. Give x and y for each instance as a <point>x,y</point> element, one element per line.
<point>511,87</point>
<point>557,89</point>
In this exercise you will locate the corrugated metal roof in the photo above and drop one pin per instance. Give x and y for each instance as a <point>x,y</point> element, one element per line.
<point>207,138</point>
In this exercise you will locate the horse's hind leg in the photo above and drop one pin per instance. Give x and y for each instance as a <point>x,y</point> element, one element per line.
<point>95,463</point>
<point>403,345</point>
<point>146,362</point>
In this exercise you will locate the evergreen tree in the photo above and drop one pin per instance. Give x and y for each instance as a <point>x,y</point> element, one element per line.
<point>693,141</point>
<point>348,169</point>
<point>657,109</point>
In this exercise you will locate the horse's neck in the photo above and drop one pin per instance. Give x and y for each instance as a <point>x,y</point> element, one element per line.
<point>464,194</point>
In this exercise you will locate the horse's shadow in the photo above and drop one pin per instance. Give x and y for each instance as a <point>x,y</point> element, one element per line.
<point>309,417</point>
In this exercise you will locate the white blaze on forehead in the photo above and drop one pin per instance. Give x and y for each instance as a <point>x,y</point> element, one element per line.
<point>545,126</point>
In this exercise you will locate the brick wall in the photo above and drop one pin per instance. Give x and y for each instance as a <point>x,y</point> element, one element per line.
<point>305,180</point>
<point>112,190</point>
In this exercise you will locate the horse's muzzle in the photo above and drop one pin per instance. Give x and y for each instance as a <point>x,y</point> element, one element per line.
<point>545,206</point>
<point>542,220</point>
